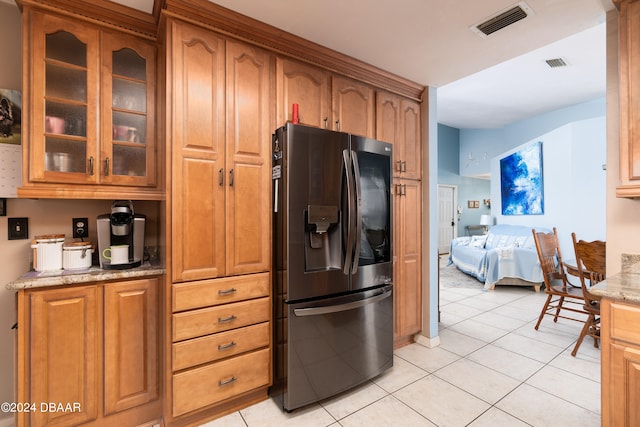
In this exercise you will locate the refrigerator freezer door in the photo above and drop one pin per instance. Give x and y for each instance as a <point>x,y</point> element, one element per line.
<point>335,344</point>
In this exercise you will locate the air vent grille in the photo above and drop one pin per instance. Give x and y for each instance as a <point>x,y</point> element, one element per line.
<point>556,62</point>
<point>502,20</point>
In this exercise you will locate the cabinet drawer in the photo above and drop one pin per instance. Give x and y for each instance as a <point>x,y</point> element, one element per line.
<point>205,321</point>
<point>625,322</point>
<point>200,387</point>
<point>214,347</point>
<point>205,293</point>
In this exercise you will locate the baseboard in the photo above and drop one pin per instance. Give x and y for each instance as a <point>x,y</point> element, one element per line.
<point>427,342</point>
<point>7,422</point>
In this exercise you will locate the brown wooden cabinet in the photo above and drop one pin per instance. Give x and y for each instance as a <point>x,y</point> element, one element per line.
<point>620,332</point>
<point>353,107</point>
<point>63,353</point>
<point>629,68</point>
<point>398,121</point>
<point>93,346</point>
<point>220,101</point>
<point>220,143</point>
<point>407,270</point>
<point>307,86</point>
<point>90,110</point>
<point>221,340</point>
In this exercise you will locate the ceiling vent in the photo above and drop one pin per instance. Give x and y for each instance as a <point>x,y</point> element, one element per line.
<point>503,19</point>
<point>556,62</point>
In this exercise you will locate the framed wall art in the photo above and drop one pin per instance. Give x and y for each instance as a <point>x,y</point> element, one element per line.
<point>521,184</point>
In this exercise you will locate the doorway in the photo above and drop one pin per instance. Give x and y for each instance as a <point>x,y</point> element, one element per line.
<point>447,222</point>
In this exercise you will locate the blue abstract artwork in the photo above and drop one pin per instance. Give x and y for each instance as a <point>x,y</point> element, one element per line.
<point>521,181</point>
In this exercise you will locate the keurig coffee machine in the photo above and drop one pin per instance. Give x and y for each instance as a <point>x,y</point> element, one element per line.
<point>122,227</point>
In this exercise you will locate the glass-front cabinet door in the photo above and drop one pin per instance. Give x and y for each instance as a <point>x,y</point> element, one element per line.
<point>128,111</point>
<point>64,101</point>
<point>93,105</point>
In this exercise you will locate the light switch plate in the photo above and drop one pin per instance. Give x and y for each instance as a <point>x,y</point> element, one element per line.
<point>18,228</point>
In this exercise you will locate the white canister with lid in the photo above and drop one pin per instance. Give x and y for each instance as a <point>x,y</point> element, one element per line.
<point>47,252</point>
<point>76,255</point>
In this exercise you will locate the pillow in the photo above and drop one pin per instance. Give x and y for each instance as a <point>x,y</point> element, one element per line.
<point>478,241</point>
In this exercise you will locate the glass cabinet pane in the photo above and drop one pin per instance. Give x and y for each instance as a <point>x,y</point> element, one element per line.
<point>127,63</point>
<point>64,155</point>
<point>130,161</point>
<point>65,119</point>
<point>66,83</point>
<point>65,47</point>
<point>129,95</point>
<point>129,127</point>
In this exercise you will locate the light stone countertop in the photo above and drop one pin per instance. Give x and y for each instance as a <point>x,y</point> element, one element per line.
<point>623,286</point>
<point>34,279</point>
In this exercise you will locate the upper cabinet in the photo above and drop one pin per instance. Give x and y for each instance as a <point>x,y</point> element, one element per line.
<point>324,100</point>
<point>398,122</point>
<point>353,107</point>
<point>90,98</point>
<point>307,86</point>
<point>221,168</point>
<point>629,51</point>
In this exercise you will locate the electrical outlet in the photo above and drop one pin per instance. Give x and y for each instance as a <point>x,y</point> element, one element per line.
<point>18,228</point>
<point>80,228</point>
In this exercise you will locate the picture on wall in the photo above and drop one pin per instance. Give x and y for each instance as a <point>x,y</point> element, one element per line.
<point>10,116</point>
<point>521,183</point>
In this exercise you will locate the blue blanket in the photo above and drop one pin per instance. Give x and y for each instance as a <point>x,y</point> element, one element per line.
<point>506,251</point>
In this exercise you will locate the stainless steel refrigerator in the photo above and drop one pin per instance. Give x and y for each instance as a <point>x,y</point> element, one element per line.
<point>333,262</point>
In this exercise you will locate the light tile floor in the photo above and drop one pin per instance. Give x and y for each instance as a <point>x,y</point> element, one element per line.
<point>491,369</point>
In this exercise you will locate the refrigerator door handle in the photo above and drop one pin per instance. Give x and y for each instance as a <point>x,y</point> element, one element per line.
<point>348,259</point>
<point>358,206</point>
<point>328,309</point>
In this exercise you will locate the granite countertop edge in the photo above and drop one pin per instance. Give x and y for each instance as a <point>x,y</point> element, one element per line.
<point>621,286</point>
<point>33,279</point>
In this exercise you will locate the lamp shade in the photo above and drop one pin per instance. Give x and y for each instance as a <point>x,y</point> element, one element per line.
<point>485,220</point>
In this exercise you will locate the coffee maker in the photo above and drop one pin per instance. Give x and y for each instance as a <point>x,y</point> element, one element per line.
<point>121,227</point>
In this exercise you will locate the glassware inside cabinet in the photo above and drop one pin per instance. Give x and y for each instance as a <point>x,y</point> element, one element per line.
<point>65,114</point>
<point>129,160</point>
<point>64,155</point>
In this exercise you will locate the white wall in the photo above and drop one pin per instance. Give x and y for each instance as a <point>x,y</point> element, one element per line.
<point>574,183</point>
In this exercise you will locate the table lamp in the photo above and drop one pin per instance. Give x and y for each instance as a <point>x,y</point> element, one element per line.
<point>486,220</point>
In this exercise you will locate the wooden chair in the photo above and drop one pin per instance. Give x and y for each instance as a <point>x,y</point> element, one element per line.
<point>591,259</point>
<point>561,296</point>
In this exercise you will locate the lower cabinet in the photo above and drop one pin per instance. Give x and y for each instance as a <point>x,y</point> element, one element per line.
<point>89,354</point>
<point>221,333</point>
<point>407,266</point>
<point>620,333</point>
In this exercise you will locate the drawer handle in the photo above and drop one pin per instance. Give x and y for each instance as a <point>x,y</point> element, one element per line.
<point>223,292</point>
<point>227,319</point>
<point>227,381</point>
<point>226,346</point>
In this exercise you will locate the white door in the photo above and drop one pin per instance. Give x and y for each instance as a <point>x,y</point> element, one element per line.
<point>447,224</point>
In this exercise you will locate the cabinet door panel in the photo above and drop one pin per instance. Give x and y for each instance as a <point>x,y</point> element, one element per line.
<point>305,85</point>
<point>198,221</point>
<point>130,344</point>
<point>408,254</point>
<point>353,107</point>
<point>65,100</point>
<point>197,65</point>
<point>128,111</point>
<point>64,349</point>
<point>411,135</point>
<point>249,128</point>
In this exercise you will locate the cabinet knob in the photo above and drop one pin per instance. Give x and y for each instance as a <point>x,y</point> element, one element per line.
<point>106,167</point>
